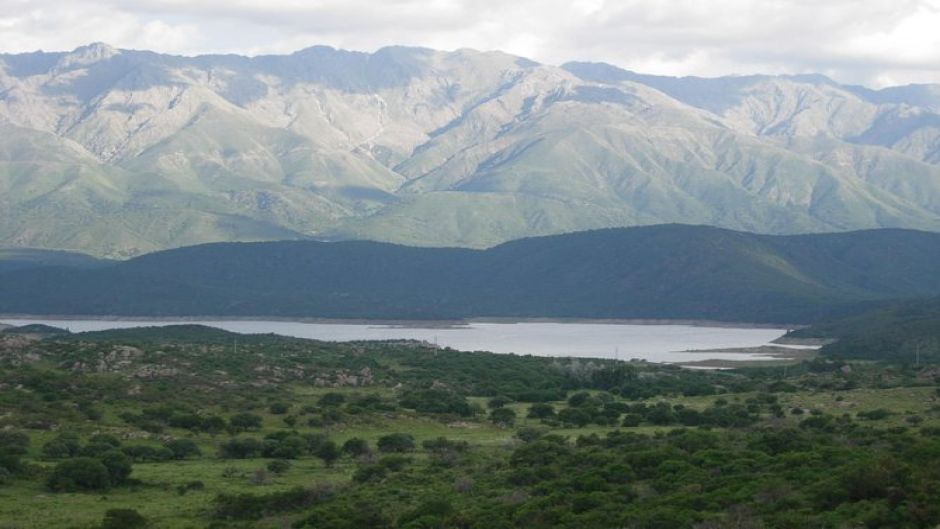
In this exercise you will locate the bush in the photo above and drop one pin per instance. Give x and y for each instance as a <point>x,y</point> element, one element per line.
<point>356,447</point>
<point>498,402</point>
<point>369,473</point>
<point>79,474</point>
<point>328,452</point>
<point>332,400</point>
<point>541,410</point>
<point>183,448</point>
<point>279,466</point>
<point>396,442</point>
<point>240,448</point>
<point>255,507</point>
<point>62,446</point>
<point>278,408</point>
<point>503,416</point>
<point>241,422</point>
<point>123,519</point>
<point>119,466</point>
<point>443,444</point>
<point>436,401</point>
<point>12,446</point>
<point>528,435</point>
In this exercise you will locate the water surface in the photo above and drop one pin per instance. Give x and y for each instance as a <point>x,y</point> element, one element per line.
<point>655,343</point>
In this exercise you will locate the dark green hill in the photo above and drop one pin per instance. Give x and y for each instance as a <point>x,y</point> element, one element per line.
<point>667,271</point>
<point>907,332</point>
<point>20,258</point>
<point>35,328</point>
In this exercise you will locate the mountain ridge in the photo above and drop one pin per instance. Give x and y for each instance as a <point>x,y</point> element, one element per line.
<point>123,152</point>
<point>656,272</point>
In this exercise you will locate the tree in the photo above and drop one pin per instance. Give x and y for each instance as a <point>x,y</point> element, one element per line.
<point>240,448</point>
<point>80,473</point>
<point>241,422</point>
<point>329,453</point>
<point>279,466</point>
<point>213,424</point>
<point>541,410</point>
<point>356,446</point>
<point>279,408</point>
<point>118,465</point>
<point>63,446</point>
<point>503,416</point>
<point>396,442</point>
<point>123,519</point>
<point>332,400</point>
<point>498,402</point>
<point>183,448</point>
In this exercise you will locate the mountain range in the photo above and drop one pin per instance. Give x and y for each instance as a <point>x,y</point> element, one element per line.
<point>662,272</point>
<point>119,152</point>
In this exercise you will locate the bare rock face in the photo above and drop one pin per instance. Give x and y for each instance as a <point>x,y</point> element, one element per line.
<point>136,151</point>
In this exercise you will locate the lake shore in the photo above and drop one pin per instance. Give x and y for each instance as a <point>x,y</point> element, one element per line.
<point>405,323</point>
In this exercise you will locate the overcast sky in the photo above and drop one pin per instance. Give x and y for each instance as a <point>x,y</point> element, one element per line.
<point>873,42</point>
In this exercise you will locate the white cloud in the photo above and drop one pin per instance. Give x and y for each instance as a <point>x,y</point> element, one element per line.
<point>863,41</point>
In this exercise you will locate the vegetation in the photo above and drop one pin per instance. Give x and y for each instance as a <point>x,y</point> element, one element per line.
<point>905,332</point>
<point>711,274</point>
<point>173,428</point>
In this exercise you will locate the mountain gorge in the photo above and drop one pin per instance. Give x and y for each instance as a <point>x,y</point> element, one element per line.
<point>120,152</point>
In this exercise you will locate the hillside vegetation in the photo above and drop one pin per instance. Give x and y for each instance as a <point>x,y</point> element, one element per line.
<point>669,271</point>
<point>175,427</point>
<point>903,332</point>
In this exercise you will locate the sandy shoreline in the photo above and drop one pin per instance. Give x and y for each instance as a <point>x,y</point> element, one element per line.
<point>431,324</point>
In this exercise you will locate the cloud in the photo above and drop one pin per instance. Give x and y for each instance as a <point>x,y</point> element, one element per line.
<point>859,41</point>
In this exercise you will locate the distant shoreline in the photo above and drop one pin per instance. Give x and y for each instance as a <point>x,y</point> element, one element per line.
<point>431,324</point>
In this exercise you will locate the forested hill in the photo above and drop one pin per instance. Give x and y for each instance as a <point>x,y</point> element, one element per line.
<point>666,271</point>
<point>900,332</point>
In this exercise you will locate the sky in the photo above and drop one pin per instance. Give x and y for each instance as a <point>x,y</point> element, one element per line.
<point>872,42</point>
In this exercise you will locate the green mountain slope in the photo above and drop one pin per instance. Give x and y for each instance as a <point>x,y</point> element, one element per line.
<point>668,271</point>
<point>118,153</point>
<point>906,332</point>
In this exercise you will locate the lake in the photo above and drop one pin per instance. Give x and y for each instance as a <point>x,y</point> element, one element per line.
<point>655,343</point>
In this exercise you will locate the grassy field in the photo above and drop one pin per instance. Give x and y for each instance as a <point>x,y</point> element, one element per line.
<point>28,505</point>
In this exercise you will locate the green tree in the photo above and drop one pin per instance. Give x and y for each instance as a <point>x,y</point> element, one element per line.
<point>78,474</point>
<point>183,448</point>
<point>123,519</point>
<point>356,446</point>
<point>503,416</point>
<point>396,442</point>
<point>329,453</point>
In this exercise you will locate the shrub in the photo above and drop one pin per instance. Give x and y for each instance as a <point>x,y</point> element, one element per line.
<point>255,507</point>
<point>436,401</point>
<point>356,447</point>
<point>503,416</point>
<point>328,452</point>
<point>241,422</point>
<point>396,442</point>
<point>279,408</point>
<point>279,466</point>
<point>183,448</point>
<point>332,400</point>
<point>78,474</point>
<point>123,519</point>
<point>443,444</point>
<point>498,402</point>
<point>541,410</point>
<point>240,448</point>
<point>62,446</point>
<point>119,466</point>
